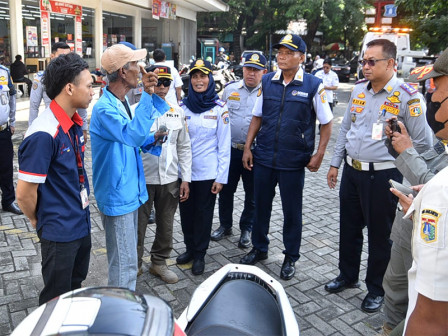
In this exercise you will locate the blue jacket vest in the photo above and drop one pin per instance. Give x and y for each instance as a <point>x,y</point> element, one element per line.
<point>286,138</point>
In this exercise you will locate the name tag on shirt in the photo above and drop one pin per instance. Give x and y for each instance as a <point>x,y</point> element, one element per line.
<point>84,198</point>
<point>377,131</point>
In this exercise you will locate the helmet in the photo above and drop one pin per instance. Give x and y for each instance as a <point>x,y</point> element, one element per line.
<point>221,49</point>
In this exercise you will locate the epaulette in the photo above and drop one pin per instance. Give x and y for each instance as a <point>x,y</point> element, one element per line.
<point>3,67</point>
<point>40,73</point>
<point>408,88</point>
<point>361,81</point>
<point>231,82</point>
<point>220,102</point>
<point>181,103</point>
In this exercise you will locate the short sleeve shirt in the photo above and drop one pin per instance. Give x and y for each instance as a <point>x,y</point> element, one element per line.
<point>47,156</point>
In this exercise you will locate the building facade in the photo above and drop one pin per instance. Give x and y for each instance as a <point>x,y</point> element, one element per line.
<point>30,27</point>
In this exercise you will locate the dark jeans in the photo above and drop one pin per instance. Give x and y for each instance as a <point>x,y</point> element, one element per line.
<point>225,200</point>
<point>291,192</point>
<point>196,217</point>
<point>365,200</point>
<point>6,168</point>
<point>64,266</point>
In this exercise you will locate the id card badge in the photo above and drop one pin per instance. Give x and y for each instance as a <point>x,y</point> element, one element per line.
<point>84,198</point>
<point>377,131</point>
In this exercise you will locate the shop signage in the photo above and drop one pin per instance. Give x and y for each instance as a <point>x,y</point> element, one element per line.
<point>163,9</point>
<point>60,7</point>
<point>31,36</point>
<point>45,31</point>
<point>78,35</point>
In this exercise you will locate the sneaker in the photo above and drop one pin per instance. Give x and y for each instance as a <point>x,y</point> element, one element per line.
<point>164,273</point>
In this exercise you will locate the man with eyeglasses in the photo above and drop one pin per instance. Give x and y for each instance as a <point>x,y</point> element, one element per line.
<point>365,199</point>
<point>284,121</point>
<point>240,97</point>
<point>171,154</point>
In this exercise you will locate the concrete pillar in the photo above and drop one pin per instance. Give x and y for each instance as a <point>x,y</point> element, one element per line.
<point>137,29</point>
<point>16,28</point>
<point>98,33</point>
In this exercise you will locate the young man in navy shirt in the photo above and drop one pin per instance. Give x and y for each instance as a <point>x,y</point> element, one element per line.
<point>53,188</point>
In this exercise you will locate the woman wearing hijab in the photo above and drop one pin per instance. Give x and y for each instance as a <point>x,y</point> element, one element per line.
<point>208,124</point>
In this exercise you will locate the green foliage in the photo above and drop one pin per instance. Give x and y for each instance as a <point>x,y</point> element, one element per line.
<point>339,21</point>
<point>429,19</point>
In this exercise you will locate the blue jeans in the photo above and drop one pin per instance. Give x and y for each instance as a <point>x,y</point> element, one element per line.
<point>121,244</point>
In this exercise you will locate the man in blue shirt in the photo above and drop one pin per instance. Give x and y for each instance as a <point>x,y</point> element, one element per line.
<point>117,133</point>
<point>53,188</point>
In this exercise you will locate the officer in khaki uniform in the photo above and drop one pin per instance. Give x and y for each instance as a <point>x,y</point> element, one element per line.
<point>417,169</point>
<point>365,199</point>
<point>240,97</point>
<point>165,189</point>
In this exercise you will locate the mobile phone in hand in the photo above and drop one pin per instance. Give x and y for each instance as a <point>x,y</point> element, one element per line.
<point>402,188</point>
<point>394,125</point>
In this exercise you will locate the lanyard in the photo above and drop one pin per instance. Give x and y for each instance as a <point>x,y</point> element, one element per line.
<point>78,159</point>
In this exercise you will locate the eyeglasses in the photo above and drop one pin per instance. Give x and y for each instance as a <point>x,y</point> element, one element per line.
<point>165,82</point>
<point>371,62</point>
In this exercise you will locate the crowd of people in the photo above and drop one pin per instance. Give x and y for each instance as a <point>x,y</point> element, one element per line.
<point>163,152</point>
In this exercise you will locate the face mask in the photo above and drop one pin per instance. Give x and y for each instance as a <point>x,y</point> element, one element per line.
<point>433,107</point>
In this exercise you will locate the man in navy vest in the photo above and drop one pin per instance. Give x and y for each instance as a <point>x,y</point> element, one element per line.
<point>284,122</point>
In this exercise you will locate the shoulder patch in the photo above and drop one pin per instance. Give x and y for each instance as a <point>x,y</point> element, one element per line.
<point>429,225</point>
<point>408,88</point>
<point>225,117</point>
<point>220,102</point>
<point>361,81</point>
<point>260,90</point>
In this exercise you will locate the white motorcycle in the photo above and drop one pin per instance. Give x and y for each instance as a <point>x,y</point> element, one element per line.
<point>236,300</point>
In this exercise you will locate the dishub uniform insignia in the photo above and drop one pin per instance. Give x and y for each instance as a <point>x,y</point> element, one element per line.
<point>428,228</point>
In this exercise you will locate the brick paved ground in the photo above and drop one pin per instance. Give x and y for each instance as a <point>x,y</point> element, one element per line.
<point>317,312</point>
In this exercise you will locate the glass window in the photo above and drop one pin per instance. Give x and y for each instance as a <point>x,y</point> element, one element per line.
<point>116,28</point>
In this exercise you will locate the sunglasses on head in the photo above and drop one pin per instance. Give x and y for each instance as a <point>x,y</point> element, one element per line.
<point>371,62</point>
<point>164,81</point>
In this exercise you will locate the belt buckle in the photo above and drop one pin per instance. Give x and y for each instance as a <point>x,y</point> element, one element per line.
<point>356,164</point>
<point>3,127</point>
<point>240,146</point>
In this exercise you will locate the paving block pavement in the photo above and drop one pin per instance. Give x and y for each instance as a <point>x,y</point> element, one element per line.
<point>317,312</point>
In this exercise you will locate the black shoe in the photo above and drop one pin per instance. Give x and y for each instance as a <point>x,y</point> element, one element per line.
<point>339,284</point>
<point>244,239</point>
<point>152,217</point>
<point>372,303</point>
<point>253,257</point>
<point>198,266</point>
<point>184,258</point>
<point>13,208</point>
<point>288,269</point>
<point>220,232</point>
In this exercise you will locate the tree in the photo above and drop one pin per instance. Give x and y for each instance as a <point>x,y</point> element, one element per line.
<point>429,19</point>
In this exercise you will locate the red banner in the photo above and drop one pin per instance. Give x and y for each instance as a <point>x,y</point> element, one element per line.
<point>60,7</point>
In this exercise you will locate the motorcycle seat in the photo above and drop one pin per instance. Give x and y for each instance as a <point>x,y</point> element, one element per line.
<point>238,307</point>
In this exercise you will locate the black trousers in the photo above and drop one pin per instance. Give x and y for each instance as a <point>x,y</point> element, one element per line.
<point>225,200</point>
<point>64,266</point>
<point>6,168</point>
<point>291,193</point>
<point>365,200</point>
<point>196,217</point>
<point>28,82</point>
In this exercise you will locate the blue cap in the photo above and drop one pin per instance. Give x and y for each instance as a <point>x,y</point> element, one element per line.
<point>129,45</point>
<point>255,60</point>
<point>292,42</point>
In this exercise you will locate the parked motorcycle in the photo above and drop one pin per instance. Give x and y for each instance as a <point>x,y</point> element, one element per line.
<point>235,300</point>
